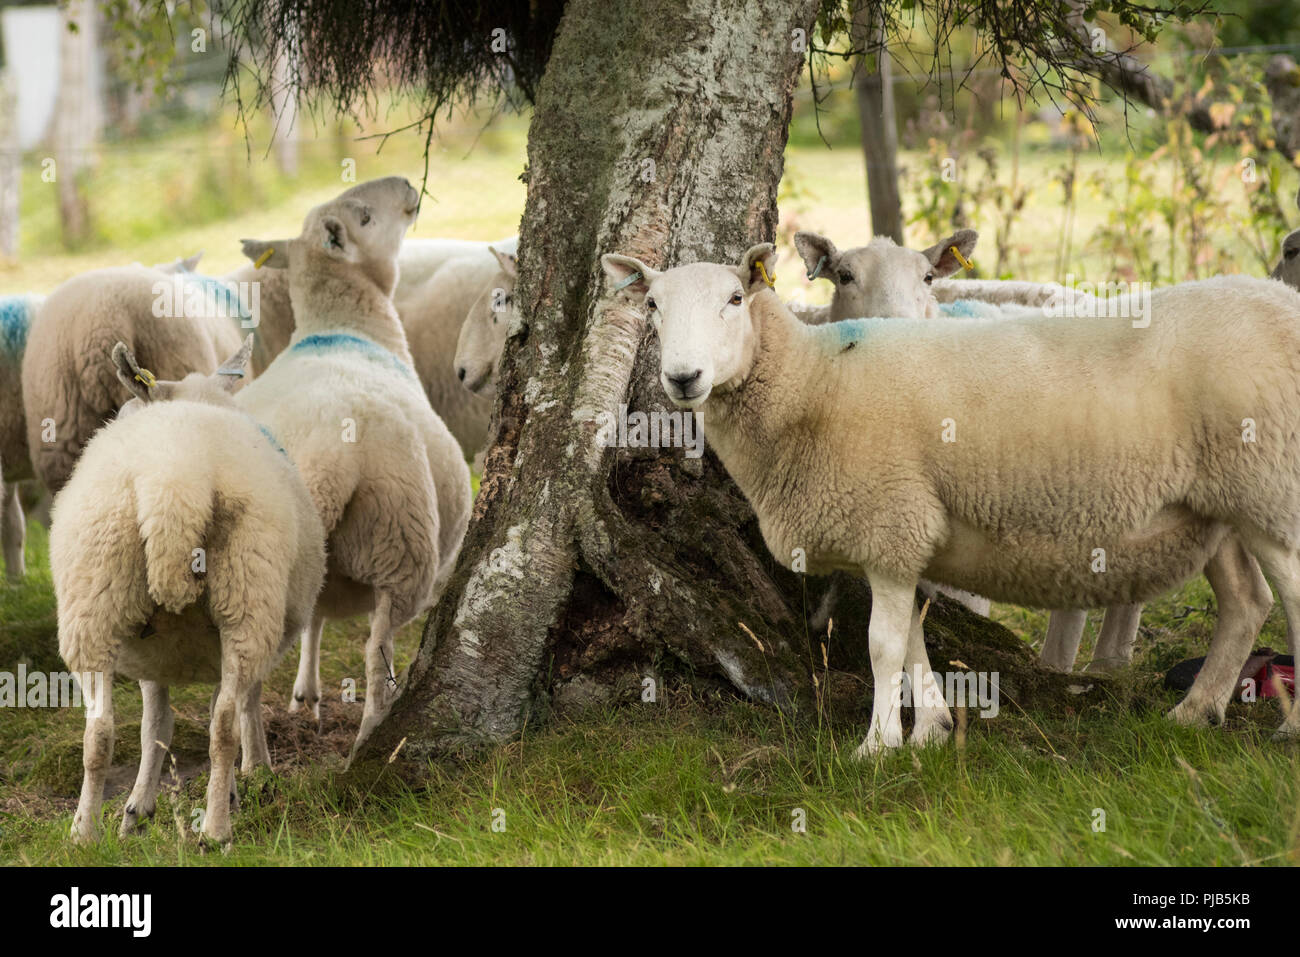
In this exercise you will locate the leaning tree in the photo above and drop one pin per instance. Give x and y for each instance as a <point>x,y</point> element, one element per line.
<point>658,130</point>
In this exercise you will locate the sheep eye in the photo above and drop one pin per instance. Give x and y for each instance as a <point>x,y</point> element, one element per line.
<point>1290,253</point>
<point>736,299</point>
<point>846,278</point>
<point>929,278</point>
<point>650,304</point>
<point>365,217</point>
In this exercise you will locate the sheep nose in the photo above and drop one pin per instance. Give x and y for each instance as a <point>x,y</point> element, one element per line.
<point>682,381</point>
<point>460,373</point>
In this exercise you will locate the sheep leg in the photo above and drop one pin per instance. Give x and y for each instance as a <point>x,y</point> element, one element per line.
<point>156,725</point>
<point>13,531</point>
<point>932,723</point>
<point>232,699</point>
<point>253,732</point>
<point>96,757</point>
<point>306,687</point>
<point>893,605</point>
<point>1244,600</point>
<point>1064,632</point>
<point>212,710</point>
<point>1119,631</point>
<point>380,686</point>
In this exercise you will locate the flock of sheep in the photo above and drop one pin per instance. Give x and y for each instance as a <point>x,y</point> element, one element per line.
<point>202,527</point>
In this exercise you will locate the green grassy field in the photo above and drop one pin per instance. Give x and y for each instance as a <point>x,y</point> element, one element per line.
<point>690,779</point>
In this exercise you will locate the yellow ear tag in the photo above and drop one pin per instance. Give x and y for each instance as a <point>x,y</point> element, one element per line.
<point>762,271</point>
<point>261,260</point>
<point>147,378</point>
<point>962,259</point>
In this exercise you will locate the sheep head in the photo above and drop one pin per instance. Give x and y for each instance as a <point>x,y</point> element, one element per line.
<point>881,278</point>
<point>1288,267</point>
<point>359,231</point>
<point>214,389</point>
<point>701,313</point>
<point>486,327</point>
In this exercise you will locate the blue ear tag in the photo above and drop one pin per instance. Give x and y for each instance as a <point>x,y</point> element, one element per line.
<point>821,262</point>
<point>624,283</point>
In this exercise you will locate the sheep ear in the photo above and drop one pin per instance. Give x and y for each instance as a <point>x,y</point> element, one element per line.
<point>272,255</point>
<point>818,254</point>
<point>140,382</point>
<point>233,371</point>
<point>941,254</point>
<point>192,263</point>
<point>334,238</point>
<point>631,276</point>
<point>758,267</point>
<point>509,263</point>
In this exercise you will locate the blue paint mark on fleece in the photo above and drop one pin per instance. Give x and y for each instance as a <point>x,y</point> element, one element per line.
<point>15,323</point>
<point>271,438</point>
<point>844,334</point>
<point>960,309</point>
<point>225,295</point>
<point>327,341</point>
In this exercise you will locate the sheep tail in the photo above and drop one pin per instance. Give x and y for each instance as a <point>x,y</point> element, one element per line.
<point>173,513</point>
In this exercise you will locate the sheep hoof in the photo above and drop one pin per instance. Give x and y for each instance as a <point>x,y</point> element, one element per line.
<point>1287,734</point>
<point>84,832</point>
<point>222,841</point>
<point>134,820</point>
<point>1191,715</point>
<point>934,734</point>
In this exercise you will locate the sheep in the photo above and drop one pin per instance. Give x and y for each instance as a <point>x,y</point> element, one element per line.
<point>434,314</point>
<point>184,547</point>
<point>486,327</point>
<point>387,476</point>
<point>883,279</point>
<point>67,395</point>
<point>1079,477</point>
<point>1288,267</point>
<point>420,259</point>
<point>17,313</point>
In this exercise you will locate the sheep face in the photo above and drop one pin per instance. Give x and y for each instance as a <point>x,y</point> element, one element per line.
<point>215,389</point>
<point>362,228</point>
<point>701,314</point>
<point>1288,267</point>
<point>881,278</point>
<point>486,327</point>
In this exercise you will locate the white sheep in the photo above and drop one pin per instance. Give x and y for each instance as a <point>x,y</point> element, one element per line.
<point>434,313</point>
<point>17,313</point>
<point>1288,267</point>
<point>1091,464</point>
<point>487,325</point>
<point>387,476</point>
<point>884,279</point>
<point>68,392</point>
<point>184,548</point>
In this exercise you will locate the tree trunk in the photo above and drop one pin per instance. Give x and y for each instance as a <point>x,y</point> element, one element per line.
<point>11,169</point>
<point>879,128</point>
<point>284,115</point>
<point>659,132</point>
<point>76,117</point>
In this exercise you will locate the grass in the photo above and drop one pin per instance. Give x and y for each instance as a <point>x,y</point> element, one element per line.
<point>690,779</point>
